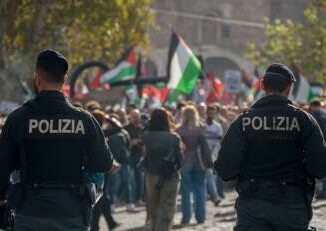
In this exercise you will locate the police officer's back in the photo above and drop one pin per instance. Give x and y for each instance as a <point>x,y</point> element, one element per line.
<point>274,151</point>
<point>52,144</point>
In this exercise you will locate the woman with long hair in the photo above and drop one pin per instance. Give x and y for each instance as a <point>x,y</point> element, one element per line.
<point>160,144</point>
<point>192,174</point>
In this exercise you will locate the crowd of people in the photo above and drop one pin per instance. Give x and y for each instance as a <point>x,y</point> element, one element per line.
<point>65,164</point>
<point>139,141</point>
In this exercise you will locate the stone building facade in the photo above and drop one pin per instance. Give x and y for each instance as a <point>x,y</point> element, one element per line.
<point>217,30</point>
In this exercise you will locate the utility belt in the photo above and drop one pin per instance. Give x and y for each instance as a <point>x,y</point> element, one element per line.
<point>53,186</point>
<point>288,190</point>
<point>17,193</point>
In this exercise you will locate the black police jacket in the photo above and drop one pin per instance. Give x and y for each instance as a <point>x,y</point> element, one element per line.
<point>271,140</point>
<point>50,140</point>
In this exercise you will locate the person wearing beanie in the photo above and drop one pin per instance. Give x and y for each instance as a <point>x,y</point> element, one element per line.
<point>52,145</point>
<point>274,151</point>
<point>120,145</point>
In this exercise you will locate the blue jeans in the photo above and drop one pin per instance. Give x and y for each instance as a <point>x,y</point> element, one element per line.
<point>139,183</point>
<point>193,180</point>
<point>211,184</point>
<point>123,177</point>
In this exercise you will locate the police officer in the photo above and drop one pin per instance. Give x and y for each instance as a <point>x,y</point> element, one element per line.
<point>54,146</point>
<point>274,151</point>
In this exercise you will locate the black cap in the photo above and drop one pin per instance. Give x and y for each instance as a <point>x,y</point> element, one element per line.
<point>53,63</point>
<point>279,70</point>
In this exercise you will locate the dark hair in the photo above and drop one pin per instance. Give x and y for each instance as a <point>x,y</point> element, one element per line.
<point>181,104</point>
<point>99,116</point>
<point>160,120</point>
<point>315,103</point>
<point>211,107</point>
<point>277,78</point>
<point>93,105</point>
<point>53,65</point>
<point>132,106</point>
<point>277,85</point>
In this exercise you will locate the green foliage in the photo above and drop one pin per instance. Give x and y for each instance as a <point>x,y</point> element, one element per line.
<point>81,29</point>
<point>302,44</point>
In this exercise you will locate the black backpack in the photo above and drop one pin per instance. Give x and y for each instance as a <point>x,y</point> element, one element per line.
<point>171,164</point>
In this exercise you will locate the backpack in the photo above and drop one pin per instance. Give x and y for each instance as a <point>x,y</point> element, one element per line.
<point>171,163</point>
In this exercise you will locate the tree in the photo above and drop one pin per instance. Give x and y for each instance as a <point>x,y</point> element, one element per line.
<point>301,44</point>
<point>81,29</point>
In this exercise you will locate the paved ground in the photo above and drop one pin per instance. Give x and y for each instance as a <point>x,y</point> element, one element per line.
<point>221,218</point>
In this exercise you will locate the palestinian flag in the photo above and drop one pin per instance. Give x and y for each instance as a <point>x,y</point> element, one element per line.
<point>255,91</point>
<point>95,83</point>
<point>131,93</point>
<point>183,66</point>
<point>255,87</point>
<point>173,97</point>
<point>216,87</point>
<point>125,69</point>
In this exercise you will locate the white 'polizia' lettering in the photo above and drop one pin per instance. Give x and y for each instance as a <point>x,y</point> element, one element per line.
<point>56,126</point>
<point>276,123</point>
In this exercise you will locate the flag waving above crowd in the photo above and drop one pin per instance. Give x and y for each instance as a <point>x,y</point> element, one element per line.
<point>125,69</point>
<point>183,65</point>
<point>181,80</point>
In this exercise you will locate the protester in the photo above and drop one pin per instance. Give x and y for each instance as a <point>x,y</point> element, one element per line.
<point>119,143</point>
<point>178,112</point>
<point>135,131</point>
<point>213,133</point>
<point>161,145</point>
<point>103,205</point>
<point>123,118</point>
<point>317,110</point>
<point>93,105</point>
<point>192,175</point>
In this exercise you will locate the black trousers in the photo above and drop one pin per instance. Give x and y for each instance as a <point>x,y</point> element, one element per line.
<point>4,223</point>
<point>260,215</point>
<point>102,207</point>
<point>31,223</point>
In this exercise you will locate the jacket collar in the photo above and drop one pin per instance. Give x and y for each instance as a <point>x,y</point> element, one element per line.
<point>271,100</point>
<point>56,95</point>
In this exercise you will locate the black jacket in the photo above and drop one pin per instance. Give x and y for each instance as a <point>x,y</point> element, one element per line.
<point>270,140</point>
<point>49,140</point>
<point>320,116</point>
<point>119,143</point>
<point>158,145</point>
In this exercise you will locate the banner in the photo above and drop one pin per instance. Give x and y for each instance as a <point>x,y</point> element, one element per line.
<point>232,81</point>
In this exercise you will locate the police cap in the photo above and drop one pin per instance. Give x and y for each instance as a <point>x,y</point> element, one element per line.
<point>53,63</point>
<point>280,71</point>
